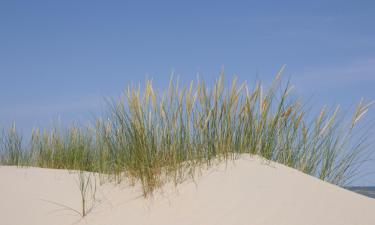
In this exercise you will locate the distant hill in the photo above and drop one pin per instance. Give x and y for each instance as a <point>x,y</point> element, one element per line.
<point>367,191</point>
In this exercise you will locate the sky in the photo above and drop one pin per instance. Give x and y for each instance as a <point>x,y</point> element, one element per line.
<point>60,59</point>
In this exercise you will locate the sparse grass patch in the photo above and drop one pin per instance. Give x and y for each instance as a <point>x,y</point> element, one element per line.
<point>87,188</point>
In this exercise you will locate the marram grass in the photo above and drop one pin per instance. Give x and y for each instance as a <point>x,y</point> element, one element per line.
<point>154,138</point>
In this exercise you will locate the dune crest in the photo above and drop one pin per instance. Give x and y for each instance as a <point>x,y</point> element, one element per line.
<point>246,191</point>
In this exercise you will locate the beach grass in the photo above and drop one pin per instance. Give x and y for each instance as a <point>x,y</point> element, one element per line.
<point>155,137</point>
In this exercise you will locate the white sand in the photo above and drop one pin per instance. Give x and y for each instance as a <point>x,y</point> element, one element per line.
<point>249,192</point>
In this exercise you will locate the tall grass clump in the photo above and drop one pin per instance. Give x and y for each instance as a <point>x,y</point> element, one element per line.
<point>60,148</point>
<point>11,152</point>
<point>154,137</point>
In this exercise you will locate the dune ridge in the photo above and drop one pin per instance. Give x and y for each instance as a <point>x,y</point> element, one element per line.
<point>249,190</point>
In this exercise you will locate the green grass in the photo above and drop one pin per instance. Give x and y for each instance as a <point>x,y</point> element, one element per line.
<point>155,138</point>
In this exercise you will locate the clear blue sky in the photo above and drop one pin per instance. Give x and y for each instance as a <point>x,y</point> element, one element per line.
<point>58,59</point>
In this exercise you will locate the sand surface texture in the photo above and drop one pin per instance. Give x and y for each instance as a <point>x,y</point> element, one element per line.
<point>250,191</point>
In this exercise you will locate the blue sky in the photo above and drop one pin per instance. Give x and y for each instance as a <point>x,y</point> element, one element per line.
<point>58,59</point>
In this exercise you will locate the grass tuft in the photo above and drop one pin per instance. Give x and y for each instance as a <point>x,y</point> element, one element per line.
<point>154,138</point>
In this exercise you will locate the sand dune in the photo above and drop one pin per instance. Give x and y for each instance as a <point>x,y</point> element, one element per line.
<point>250,191</point>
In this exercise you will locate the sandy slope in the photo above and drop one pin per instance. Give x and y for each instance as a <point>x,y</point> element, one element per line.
<point>248,192</point>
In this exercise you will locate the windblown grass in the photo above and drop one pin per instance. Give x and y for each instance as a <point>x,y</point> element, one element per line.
<point>154,138</point>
